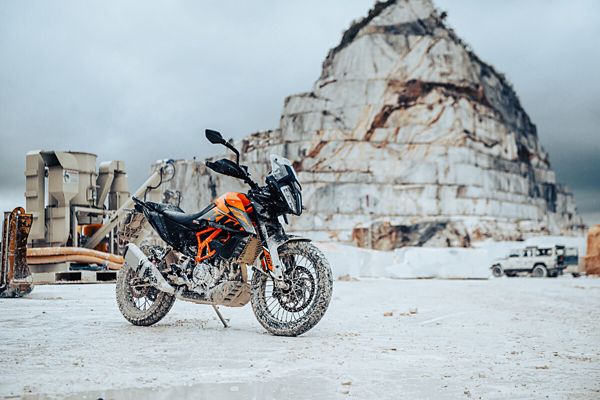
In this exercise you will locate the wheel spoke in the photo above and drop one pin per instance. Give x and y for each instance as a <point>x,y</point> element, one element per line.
<point>142,296</point>
<point>292,304</point>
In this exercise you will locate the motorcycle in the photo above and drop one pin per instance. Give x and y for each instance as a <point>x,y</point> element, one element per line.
<point>205,257</point>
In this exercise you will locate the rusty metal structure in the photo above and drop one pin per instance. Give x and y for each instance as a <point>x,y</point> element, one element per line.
<point>15,275</point>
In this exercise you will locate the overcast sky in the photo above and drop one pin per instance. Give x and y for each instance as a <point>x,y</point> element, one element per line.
<point>140,80</point>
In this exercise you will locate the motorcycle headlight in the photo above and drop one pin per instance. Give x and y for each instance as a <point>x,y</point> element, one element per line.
<point>284,180</point>
<point>290,199</point>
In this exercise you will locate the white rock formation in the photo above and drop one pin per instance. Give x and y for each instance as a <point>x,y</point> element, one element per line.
<point>406,138</point>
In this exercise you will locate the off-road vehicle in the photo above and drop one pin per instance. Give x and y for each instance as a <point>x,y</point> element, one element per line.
<point>539,262</point>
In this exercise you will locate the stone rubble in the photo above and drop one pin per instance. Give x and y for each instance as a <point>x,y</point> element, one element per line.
<point>407,138</point>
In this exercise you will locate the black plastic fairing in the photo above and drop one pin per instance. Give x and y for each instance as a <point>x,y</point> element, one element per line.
<point>227,167</point>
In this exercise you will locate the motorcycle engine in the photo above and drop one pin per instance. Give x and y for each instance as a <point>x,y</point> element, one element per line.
<point>202,275</point>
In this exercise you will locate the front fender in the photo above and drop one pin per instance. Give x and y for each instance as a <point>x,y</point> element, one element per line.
<point>281,240</point>
<point>273,245</point>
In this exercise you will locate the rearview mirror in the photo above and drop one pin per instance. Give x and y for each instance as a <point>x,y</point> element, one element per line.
<point>214,137</point>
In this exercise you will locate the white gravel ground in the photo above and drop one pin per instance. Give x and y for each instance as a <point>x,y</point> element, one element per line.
<point>500,338</point>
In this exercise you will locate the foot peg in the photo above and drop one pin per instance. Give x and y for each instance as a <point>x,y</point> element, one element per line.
<point>136,258</point>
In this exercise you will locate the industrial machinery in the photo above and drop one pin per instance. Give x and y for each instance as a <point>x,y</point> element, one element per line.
<point>68,198</point>
<point>72,211</point>
<point>69,201</point>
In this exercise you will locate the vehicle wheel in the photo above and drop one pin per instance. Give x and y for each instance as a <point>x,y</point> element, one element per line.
<point>140,305</point>
<point>301,307</point>
<point>497,270</point>
<point>539,271</point>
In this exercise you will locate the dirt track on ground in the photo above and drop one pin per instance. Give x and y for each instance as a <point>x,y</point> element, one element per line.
<point>499,338</point>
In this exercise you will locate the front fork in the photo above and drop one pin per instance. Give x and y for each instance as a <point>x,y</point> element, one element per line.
<point>272,246</point>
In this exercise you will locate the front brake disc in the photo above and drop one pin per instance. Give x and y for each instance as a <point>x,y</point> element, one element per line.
<point>300,293</point>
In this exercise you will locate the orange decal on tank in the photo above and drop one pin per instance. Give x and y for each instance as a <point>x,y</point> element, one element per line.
<point>231,209</point>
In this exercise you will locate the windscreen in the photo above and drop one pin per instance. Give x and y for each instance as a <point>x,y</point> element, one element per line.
<point>279,170</point>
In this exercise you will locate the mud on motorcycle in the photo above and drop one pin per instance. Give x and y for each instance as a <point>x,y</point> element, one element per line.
<point>205,256</point>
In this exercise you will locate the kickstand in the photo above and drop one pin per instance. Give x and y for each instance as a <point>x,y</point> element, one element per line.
<point>220,316</point>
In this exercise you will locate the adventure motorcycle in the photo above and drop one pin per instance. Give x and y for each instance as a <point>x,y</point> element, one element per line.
<point>206,255</point>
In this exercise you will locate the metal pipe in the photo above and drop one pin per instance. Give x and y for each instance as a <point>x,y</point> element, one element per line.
<point>33,253</point>
<point>113,221</point>
<point>89,210</point>
<point>77,258</point>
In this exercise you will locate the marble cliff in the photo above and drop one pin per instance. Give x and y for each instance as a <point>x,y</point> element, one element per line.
<point>406,138</point>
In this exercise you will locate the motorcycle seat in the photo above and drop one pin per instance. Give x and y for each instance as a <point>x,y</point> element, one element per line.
<point>184,219</point>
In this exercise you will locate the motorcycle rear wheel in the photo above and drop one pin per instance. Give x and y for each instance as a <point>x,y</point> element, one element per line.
<point>143,306</point>
<point>299,308</point>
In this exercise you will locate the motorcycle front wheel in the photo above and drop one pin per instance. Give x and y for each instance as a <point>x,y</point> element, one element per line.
<point>301,306</point>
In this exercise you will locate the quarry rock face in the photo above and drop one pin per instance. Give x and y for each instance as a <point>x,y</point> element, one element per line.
<point>591,261</point>
<point>406,138</point>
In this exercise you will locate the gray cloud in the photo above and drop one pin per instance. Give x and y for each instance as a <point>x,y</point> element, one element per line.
<point>140,80</point>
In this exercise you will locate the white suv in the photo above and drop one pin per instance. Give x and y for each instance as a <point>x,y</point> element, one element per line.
<point>538,261</point>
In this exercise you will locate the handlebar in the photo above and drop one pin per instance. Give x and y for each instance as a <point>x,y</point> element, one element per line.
<point>211,165</point>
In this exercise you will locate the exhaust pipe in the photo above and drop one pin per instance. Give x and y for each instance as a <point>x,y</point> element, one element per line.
<point>135,258</point>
